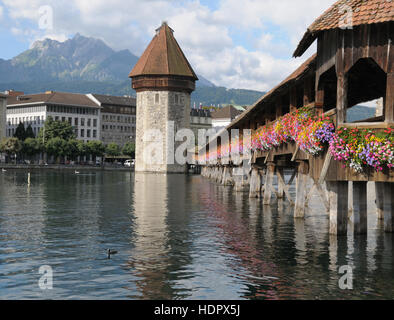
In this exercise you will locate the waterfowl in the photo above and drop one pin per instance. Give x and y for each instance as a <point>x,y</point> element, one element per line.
<point>3,170</point>
<point>76,172</point>
<point>109,252</point>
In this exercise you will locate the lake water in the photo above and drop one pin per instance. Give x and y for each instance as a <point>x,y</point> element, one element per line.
<point>177,237</point>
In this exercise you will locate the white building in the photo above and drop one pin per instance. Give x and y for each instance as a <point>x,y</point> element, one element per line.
<point>80,111</point>
<point>3,115</point>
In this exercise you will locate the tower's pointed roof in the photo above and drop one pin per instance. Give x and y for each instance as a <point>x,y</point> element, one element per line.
<point>163,57</point>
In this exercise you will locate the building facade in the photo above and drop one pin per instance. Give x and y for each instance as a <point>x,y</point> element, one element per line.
<point>163,80</point>
<point>80,111</point>
<point>224,116</point>
<point>118,118</point>
<point>200,120</point>
<point>3,115</point>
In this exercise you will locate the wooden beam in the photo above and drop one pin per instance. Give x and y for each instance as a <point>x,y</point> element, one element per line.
<point>360,207</point>
<point>293,98</point>
<point>342,92</point>
<point>389,101</point>
<point>301,183</point>
<point>269,183</point>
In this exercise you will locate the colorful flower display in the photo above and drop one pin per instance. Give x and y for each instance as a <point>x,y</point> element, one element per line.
<point>357,148</point>
<point>362,148</point>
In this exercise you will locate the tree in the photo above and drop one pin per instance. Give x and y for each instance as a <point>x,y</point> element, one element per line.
<point>56,129</point>
<point>20,132</point>
<point>96,148</point>
<point>112,149</point>
<point>72,149</point>
<point>129,149</point>
<point>83,149</point>
<point>29,132</point>
<point>56,147</point>
<point>31,147</point>
<point>11,146</point>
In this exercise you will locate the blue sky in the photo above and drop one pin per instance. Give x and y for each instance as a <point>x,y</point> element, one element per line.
<point>237,44</point>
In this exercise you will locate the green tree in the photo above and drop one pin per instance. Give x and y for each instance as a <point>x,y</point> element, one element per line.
<point>56,129</point>
<point>29,132</point>
<point>129,149</point>
<point>20,132</point>
<point>31,147</point>
<point>83,149</point>
<point>11,146</point>
<point>112,149</point>
<point>72,149</point>
<point>96,148</point>
<point>56,147</point>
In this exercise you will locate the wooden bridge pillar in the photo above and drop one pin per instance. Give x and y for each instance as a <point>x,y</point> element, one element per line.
<point>255,184</point>
<point>360,207</point>
<point>301,184</point>
<point>338,195</point>
<point>227,177</point>
<point>281,186</point>
<point>269,181</point>
<point>379,189</point>
<point>388,206</point>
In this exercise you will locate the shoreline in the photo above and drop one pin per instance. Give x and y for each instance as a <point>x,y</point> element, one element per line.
<point>62,167</point>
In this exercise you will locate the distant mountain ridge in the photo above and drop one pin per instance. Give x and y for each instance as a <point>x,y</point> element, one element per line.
<point>76,59</point>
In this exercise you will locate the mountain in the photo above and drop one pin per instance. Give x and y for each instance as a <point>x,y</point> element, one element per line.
<point>85,65</point>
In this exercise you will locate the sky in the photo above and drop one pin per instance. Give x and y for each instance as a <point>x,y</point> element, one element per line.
<point>244,44</point>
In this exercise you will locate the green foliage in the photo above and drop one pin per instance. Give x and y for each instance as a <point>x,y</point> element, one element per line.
<point>83,149</point>
<point>113,149</point>
<point>29,132</point>
<point>11,146</point>
<point>72,148</point>
<point>56,147</point>
<point>129,149</point>
<point>31,147</point>
<point>96,148</point>
<point>56,129</point>
<point>20,132</point>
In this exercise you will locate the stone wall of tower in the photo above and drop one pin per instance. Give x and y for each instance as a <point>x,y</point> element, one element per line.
<point>155,112</point>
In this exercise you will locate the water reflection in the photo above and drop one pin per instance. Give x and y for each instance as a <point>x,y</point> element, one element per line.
<point>178,237</point>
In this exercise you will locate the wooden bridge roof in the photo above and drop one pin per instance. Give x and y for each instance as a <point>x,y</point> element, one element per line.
<point>163,57</point>
<point>363,12</point>
<point>297,74</point>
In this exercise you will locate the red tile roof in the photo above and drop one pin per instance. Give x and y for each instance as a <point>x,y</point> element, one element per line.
<point>363,12</point>
<point>163,56</point>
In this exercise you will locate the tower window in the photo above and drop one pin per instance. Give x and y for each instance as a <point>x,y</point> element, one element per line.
<point>176,99</point>
<point>156,98</point>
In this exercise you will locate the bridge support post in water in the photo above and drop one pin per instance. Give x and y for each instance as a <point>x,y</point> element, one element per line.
<point>338,195</point>
<point>360,207</point>
<point>240,181</point>
<point>388,207</point>
<point>269,183</point>
<point>227,177</point>
<point>379,199</point>
<point>301,184</point>
<point>255,183</point>
<point>281,187</point>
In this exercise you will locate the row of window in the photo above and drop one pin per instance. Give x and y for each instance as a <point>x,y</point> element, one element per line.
<point>113,118</point>
<point>26,120</point>
<point>75,110</point>
<point>107,127</point>
<point>89,133</point>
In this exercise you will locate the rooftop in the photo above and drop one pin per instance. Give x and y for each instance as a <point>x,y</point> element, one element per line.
<point>363,12</point>
<point>115,100</point>
<point>51,97</point>
<point>163,57</point>
<point>228,112</point>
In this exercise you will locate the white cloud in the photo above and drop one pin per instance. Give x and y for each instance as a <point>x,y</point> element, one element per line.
<point>206,36</point>
<point>1,12</point>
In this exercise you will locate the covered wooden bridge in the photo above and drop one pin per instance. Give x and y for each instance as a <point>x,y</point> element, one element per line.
<point>353,64</point>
